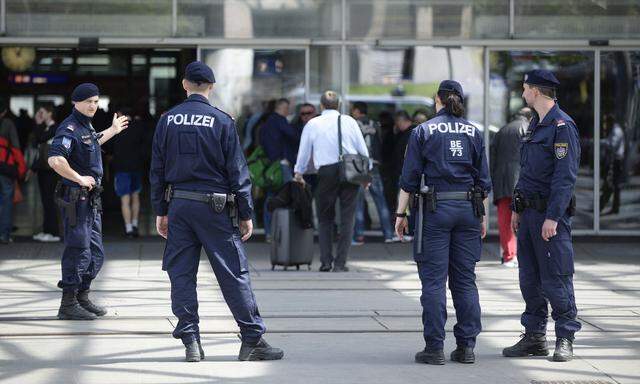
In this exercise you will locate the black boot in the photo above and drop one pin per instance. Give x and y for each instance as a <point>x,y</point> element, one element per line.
<point>70,309</point>
<point>564,350</point>
<point>530,344</point>
<point>463,355</point>
<point>430,356</point>
<point>192,352</point>
<point>83,300</point>
<point>259,351</point>
<point>201,350</point>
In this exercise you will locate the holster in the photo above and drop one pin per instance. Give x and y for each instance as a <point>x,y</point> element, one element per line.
<point>477,200</point>
<point>518,201</point>
<point>69,207</point>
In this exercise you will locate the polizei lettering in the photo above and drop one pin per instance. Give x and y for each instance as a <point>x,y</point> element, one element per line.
<point>186,119</point>
<point>452,128</point>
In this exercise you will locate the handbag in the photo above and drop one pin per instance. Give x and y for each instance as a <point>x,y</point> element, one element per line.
<point>353,168</point>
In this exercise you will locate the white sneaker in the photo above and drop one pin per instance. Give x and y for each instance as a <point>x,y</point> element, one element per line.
<point>513,263</point>
<point>394,239</point>
<point>49,238</point>
<point>38,236</point>
<point>407,239</point>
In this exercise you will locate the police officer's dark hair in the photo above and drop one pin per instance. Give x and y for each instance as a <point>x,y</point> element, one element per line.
<point>330,100</point>
<point>452,102</point>
<point>402,114</point>
<point>361,106</point>
<point>307,105</point>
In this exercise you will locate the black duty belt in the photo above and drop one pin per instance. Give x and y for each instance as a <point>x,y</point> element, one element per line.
<point>453,195</point>
<point>217,200</point>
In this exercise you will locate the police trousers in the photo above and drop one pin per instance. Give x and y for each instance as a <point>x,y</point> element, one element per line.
<point>194,225</point>
<point>83,254</point>
<point>451,247</point>
<point>546,274</point>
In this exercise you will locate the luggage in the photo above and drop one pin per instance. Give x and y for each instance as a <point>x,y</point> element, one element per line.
<point>291,245</point>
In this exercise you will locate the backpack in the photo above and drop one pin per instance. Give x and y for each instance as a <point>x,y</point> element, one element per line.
<point>12,162</point>
<point>264,173</point>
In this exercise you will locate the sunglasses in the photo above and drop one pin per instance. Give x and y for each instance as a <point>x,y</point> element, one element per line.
<point>306,113</point>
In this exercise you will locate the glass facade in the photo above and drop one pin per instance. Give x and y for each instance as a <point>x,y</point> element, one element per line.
<point>389,53</point>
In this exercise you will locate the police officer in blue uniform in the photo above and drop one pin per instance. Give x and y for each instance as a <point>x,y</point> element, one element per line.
<point>543,203</point>
<point>201,193</point>
<point>448,154</point>
<point>75,155</point>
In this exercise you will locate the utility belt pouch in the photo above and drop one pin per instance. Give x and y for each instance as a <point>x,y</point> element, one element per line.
<point>518,201</point>
<point>430,201</point>
<point>477,200</point>
<point>168,193</point>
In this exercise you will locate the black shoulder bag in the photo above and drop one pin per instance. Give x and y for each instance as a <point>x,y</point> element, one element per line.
<point>354,168</point>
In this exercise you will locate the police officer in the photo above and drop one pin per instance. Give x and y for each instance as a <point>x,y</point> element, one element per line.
<point>201,192</point>
<point>75,155</point>
<point>448,154</point>
<point>543,204</point>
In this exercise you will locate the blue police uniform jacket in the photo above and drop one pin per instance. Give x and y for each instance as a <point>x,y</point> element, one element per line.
<point>196,148</point>
<point>549,160</point>
<point>450,152</point>
<point>276,137</point>
<point>77,141</point>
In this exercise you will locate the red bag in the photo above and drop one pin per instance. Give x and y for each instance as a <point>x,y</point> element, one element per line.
<point>11,160</point>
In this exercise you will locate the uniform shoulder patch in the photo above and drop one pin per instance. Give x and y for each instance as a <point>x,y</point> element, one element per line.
<point>560,123</point>
<point>71,127</point>
<point>561,150</point>
<point>66,142</point>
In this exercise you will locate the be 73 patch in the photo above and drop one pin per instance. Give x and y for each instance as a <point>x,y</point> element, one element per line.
<point>561,150</point>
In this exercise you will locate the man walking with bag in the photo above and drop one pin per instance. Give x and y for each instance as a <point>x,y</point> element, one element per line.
<point>327,138</point>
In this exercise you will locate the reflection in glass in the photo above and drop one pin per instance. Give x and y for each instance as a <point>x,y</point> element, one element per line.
<point>242,19</point>
<point>554,19</point>
<point>575,96</point>
<point>105,18</point>
<point>427,19</point>
<point>620,140</point>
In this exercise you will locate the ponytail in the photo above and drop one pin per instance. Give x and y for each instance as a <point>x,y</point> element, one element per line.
<point>452,103</point>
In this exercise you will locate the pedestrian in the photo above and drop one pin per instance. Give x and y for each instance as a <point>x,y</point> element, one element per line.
<point>129,152</point>
<point>372,137</point>
<point>447,167</point>
<point>543,204</point>
<point>307,111</point>
<point>613,171</point>
<point>403,127</point>
<point>201,194</point>
<point>277,137</point>
<point>44,132</point>
<point>75,155</point>
<point>320,142</point>
<point>505,167</point>
<point>9,170</point>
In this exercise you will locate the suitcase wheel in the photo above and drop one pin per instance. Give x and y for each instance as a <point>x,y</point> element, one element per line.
<point>285,268</point>
<point>309,267</point>
<point>273,267</point>
<point>297,267</point>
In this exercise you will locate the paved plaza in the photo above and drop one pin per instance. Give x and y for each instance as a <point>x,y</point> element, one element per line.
<point>358,327</point>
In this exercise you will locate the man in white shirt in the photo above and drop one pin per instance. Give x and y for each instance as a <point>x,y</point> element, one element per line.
<point>320,142</point>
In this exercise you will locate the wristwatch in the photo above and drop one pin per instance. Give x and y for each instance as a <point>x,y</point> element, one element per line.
<point>401,215</point>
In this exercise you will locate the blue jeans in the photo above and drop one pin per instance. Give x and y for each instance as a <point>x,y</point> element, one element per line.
<point>377,193</point>
<point>287,176</point>
<point>6,206</point>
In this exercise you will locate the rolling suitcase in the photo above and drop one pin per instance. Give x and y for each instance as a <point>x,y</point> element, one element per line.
<point>291,245</point>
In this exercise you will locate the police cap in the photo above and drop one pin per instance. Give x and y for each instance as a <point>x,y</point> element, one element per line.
<point>541,78</point>
<point>84,91</point>
<point>451,86</point>
<point>199,72</point>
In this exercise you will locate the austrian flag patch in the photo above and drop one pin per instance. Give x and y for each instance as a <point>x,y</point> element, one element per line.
<point>561,150</point>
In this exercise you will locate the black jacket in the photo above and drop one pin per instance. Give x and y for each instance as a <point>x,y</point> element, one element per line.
<point>294,195</point>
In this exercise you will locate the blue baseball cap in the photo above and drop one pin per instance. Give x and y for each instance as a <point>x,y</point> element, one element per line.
<point>199,72</point>
<point>451,86</point>
<point>541,78</point>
